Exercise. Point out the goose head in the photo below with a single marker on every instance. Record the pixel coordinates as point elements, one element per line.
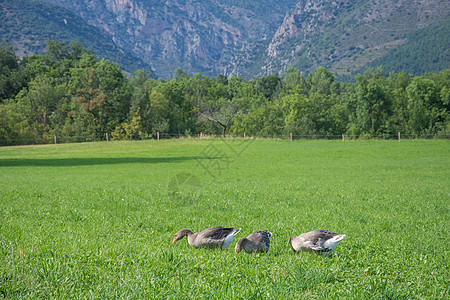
<point>181,234</point>
<point>290,242</point>
<point>240,245</point>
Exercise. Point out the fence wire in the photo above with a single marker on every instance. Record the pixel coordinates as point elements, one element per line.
<point>167,135</point>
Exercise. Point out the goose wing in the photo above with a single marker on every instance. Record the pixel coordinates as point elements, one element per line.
<point>317,235</point>
<point>215,233</point>
<point>315,239</point>
<point>321,240</point>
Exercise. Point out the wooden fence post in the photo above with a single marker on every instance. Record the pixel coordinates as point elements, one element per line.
<point>290,136</point>
<point>157,135</point>
<point>55,138</point>
<point>399,136</point>
<point>201,135</point>
<point>343,138</point>
<point>107,137</point>
<point>244,135</point>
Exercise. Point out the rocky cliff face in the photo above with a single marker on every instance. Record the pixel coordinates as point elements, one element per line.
<point>343,35</point>
<point>224,37</point>
<point>306,19</point>
<point>197,36</point>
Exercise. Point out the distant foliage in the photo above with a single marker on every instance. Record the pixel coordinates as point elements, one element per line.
<point>73,94</point>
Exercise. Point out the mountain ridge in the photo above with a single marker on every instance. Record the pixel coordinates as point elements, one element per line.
<point>343,36</point>
<point>255,38</point>
<point>36,22</point>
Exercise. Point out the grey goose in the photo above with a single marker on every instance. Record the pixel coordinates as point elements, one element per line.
<point>216,237</point>
<point>258,241</point>
<point>321,242</point>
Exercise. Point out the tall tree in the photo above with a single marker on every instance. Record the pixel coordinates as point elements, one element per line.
<point>139,96</point>
<point>373,106</point>
<point>297,119</point>
<point>11,79</point>
<point>294,79</point>
<point>45,96</point>
<point>268,86</point>
<point>424,106</point>
<point>322,81</point>
<point>222,112</point>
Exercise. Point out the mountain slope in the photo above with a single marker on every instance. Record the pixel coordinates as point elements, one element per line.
<point>345,35</point>
<point>427,50</point>
<point>29,24</point>
<point>248,38</point>
<point>197,36</point>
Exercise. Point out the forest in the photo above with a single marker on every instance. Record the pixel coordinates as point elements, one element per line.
<point>72,94</point>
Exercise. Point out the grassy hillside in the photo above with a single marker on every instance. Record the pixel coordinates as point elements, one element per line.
<point>96,220</point>
<point>426,51</point>
<point>28,25</point>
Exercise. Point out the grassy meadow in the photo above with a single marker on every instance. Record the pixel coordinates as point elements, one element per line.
<point>96,220</point>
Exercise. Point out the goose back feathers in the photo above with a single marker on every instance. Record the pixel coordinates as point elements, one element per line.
<point>256,242</point>
<point>216,237</point>
<point>321,242</point>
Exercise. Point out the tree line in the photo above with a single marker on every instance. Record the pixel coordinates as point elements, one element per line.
<point>71,93</point>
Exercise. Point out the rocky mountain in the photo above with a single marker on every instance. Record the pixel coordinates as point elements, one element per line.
<point>346,35</point>
<point>248,38</point>
<point>29,24</point>
<point>196,36</point>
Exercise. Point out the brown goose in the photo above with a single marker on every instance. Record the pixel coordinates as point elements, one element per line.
<point>216,237</point>
<point>256,242</point>
<point>321,242</point>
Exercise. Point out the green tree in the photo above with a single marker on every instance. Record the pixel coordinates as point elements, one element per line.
<point>266,120</point>
<point>129,131</point>
<point>140,93</point>
<point>373,103</point>
<point>229,102</point>
<point>11,78</point>
<point>45,96</point>
<point>15,127</point>
<point>221,112</point>
<point>158,113</point>
<point>424,105</point>
<point>268,86</point>
<point>181,109</point>
<point>398,82</point>
<point>292,77</point>
<point>102,92</point>
<point>179,74</point>
<point>322,81</point>
<point>297,120</point>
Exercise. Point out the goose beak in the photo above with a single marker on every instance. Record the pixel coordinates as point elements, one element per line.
<point>235,252</point>
<point>174,241</point>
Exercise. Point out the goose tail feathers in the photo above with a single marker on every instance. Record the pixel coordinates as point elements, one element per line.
<point>339,238</point>
<point>230,238</point>
<point>331,244</point>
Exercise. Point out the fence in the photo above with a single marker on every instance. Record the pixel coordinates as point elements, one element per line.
<point>50,140</point>
<point>58,139</point>
<point>398,136</point>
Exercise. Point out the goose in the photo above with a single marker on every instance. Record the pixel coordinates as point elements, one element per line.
<point>321,242</point>
<point>216,237</point>
<point>258,241</point>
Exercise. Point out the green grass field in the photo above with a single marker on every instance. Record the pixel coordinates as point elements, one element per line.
<point>96,220</point>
